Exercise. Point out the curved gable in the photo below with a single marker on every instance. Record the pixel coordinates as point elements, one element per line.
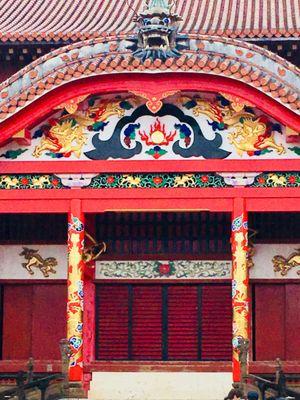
<point>271,80</point>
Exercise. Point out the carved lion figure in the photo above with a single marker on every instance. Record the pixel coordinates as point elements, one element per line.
<point>35,260</point>
<point>283,265</point>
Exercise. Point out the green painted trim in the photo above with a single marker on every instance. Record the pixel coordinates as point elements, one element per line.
<point>198,180</point>
<point>277,179</point>
<point>150,180</point>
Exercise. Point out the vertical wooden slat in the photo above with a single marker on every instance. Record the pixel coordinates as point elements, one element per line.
<point>165,323</point>
<point>112,322</point>
<point>183,322</point>
<point>147,322</point>
<point>216,322</point>
<point>130,316</point>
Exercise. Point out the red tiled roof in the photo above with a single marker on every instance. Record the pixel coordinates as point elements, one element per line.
<point>38,20</point>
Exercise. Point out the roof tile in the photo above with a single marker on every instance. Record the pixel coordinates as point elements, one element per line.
<point>49,24</point>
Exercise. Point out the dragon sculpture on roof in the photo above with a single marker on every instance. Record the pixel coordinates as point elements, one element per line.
<point>157,35</point>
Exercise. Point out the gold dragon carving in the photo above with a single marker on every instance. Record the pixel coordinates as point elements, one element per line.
<point>68,133</point>
<point>284,265</point>
<point>94,250</point>
<point>247,132</point>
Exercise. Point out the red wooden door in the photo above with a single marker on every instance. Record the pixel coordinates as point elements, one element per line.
<point>17,322</point>
<point>48,320</point>
<point>277,324</point>
<point>292,322</point>
<point>34,321</point>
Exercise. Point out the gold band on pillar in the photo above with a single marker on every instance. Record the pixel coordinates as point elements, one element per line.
<point>75,289</point>
<point>240,285</point>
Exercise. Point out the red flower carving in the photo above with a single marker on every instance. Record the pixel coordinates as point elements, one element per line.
<point>110,179</point>
<point>204,178</point>
<point>157,180</point>
<point>24,181</point>
<point>55,182</point>
<point>164,269</point>
<point>292,179</point>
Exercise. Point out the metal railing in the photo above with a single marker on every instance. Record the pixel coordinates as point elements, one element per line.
<point>277,384</point>
<point>27,381</point>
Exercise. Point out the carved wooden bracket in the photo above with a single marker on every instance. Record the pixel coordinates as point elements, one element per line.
<point>154,99</point>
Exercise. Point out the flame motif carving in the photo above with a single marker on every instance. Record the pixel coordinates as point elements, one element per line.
<point>157,135</point>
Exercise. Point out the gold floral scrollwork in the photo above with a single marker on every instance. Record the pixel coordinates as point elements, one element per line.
<point>284,265</point>
<point>35,260</point>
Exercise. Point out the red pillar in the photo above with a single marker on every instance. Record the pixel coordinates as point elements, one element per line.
<point>89,323</point>
<point>75,289</point>
<point>240,283</point>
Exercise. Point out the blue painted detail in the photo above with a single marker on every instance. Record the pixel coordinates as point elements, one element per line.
<point>200,147</point>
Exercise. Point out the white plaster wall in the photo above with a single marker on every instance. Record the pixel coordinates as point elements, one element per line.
<point>263,266</point>
<point>160,385</point>
<point>11,261</point>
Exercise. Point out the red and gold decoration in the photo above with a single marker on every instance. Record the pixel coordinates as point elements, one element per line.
<point>71,106</point>
<point>246,132</point>
<point>154,99</point>
<point>75,290</point>
<point>240,283</point>
<point>35,260</point>
<point>68,134</point>
<point>158,135</point>
<point>285,264</point>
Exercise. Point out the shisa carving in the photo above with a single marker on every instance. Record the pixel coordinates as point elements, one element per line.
<point>35,260</point>
<point>47,265</point>
<point>158,32</point>
<point>284,265</point>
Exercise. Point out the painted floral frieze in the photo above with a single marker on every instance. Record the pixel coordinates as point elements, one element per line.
<point>151,180</point>
<point>193,126</point>
<point>184,269</point>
